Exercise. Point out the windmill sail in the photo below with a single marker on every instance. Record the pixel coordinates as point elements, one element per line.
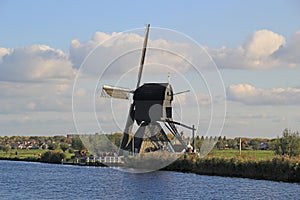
<point>115,92</point>
<point>143,57</point>
<point>130,117</point>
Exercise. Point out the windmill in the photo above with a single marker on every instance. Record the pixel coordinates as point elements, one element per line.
<point>151,107</point>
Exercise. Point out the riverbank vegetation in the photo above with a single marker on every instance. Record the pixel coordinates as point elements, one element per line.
<point>53,156</point>
<point>272,159</point>
<point>282,163</point>
<point>279,168</point>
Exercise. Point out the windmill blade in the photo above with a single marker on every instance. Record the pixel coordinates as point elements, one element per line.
<point>130,117</point>
<point>143,57</point>
<point>182,92</point>
<point>115,92</point>
<point>128,128</point>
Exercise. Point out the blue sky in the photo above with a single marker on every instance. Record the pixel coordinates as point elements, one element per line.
<point>261,98</point>
<point>213,23</point>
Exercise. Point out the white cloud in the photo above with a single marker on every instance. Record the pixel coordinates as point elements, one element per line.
<point>291,51</point>
<point>263,50</point>
<point>263,43</point>
<point>32,96</point>
<point>111,45</point>
<point>31,106</point>
<point>121,52</point>
<point>248,94</point>
<point>180,100</point>
<point>34,63</point>
<point>3,52</point>
<point>61,88</point>
<point>80,92</point>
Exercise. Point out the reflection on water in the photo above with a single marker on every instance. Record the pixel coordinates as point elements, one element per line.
<point>48,181</point>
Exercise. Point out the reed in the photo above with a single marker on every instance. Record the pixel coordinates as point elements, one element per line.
<point>279,168</point>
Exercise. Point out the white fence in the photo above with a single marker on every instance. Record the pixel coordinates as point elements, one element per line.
<point>106,159</point>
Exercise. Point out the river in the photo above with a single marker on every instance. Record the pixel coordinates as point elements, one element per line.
<point>25,180</point>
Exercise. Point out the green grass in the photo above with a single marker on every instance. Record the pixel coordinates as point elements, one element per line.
<point>251,154</point>
<point>27,153</point>
<point>22,153</point>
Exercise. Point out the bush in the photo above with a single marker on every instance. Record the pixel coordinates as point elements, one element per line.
<point>5,148</point>
<point>52,146</point>
<point>288,144</point>
<point>77,143</point>
<point>53,156</point>
<point>71,150</point>
<point>64,146</point>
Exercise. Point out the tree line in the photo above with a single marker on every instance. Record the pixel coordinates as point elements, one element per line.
<point>287,144</point>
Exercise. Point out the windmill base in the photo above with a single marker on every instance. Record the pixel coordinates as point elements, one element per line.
<point>151,137</point>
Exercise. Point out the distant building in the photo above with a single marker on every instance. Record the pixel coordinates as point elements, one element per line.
<point>264,146</point>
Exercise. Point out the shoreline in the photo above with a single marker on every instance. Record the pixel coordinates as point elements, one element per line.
<point>280,169</point>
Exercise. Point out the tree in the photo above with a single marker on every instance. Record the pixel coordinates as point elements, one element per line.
<point>288,144</point>
<point>221,143</point>
<point>64,146</point>
<point>77,143</point>
<point>272,144</point>
<point>7,148</point>
<point>59,138</point>
<point>255,144</point>
<point>198,142</point>
<point>232,143</point>
<point>54,156</point>
<point>117,137</point>
<point>52,146</point>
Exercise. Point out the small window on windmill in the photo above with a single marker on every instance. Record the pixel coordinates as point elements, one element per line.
<point>169,112</point>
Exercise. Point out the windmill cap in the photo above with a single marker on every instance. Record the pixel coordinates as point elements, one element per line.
<point>153,91</point>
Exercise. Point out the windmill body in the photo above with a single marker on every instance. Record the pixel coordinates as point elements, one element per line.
<point>153,102</point>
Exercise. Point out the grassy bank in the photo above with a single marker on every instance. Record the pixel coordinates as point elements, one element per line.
<point>276,168</point>
<point>26,155</point>
<point>22,154</point>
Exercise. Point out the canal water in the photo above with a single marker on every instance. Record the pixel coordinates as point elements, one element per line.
<point>25,180</point>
